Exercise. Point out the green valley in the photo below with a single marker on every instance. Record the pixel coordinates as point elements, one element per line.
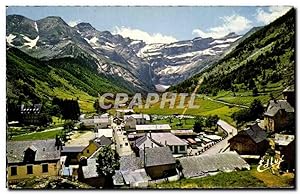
<point>33,81</point>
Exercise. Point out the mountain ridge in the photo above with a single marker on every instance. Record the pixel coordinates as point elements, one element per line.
<point>115,55</point>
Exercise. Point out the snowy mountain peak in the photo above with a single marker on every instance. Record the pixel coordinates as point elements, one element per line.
<point>143,65</point>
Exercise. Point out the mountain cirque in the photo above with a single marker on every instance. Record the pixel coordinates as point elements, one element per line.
<point>145,66</point>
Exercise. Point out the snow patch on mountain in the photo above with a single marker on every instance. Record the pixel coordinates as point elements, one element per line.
<point>221,46</point>
<point>178,69</point>
<point>92,41</point>
<point>149,48</point>
<point>193,54</point>
<point>10,38</point>
<point>30,42</point>
<point>174,62</point>
<point>108,46</point>
<point>135,42</point>
<point>178,45</point>
<point>170,70</point>
<point>36,27</point>
<point>222,41</point>
<point>161,87</point>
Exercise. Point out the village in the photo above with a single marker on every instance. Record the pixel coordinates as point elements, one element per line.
<point>152,151</point>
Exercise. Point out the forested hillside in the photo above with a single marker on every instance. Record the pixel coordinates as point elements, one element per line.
<point>262,63</point>
<point>30,80</point>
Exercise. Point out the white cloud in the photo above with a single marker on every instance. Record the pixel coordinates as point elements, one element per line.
<point>234,23</point>
<point>137,34</point>
<point>273,13</point>
<point>73,23</point>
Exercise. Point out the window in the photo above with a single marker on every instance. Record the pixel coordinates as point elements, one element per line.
<point>126,144</point>
<point>29,156</point>
<point>182,148</point>
<point>29,170</point>
<point>45,168</point>
<point>88,151</point>
<point>13,171</point>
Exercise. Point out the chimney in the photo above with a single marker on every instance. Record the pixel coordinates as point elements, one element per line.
<point>58,143</point>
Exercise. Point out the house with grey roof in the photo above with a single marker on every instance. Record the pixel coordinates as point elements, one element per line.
<point>135,119</point>
<point>204,165</point>
<point>131,173</point>
<point>101,121</point>
<point>26,159</point>
<point>72,153</point>
<point>87,173</point>
<point>250,141</point>
<point>103,141</point>
<point>151,140</point>
<point>158,162</point>
<point>278,115</point>
<point>146,141</point>
<point>75,153</point>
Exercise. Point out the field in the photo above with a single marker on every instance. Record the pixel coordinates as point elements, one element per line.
<point>239,179</point>
<point>49,134</point>
<point>245,97</point>
<point>206,107</point>
<point>18,131</point>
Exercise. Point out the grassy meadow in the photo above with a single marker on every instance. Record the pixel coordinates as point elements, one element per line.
<point>245,97</point>
<point>49,134</point>
<point>206,108</point>
<point>238,179</point>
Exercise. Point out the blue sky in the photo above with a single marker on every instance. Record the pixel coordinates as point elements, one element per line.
<point>161,24</point>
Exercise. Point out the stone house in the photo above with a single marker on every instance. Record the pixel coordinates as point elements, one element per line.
<point>152,140</point>
<point>250,141</point>
<point>136,119</point>
<point>278,115</point>
<point>27,159</point>
<point>158,162</point>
